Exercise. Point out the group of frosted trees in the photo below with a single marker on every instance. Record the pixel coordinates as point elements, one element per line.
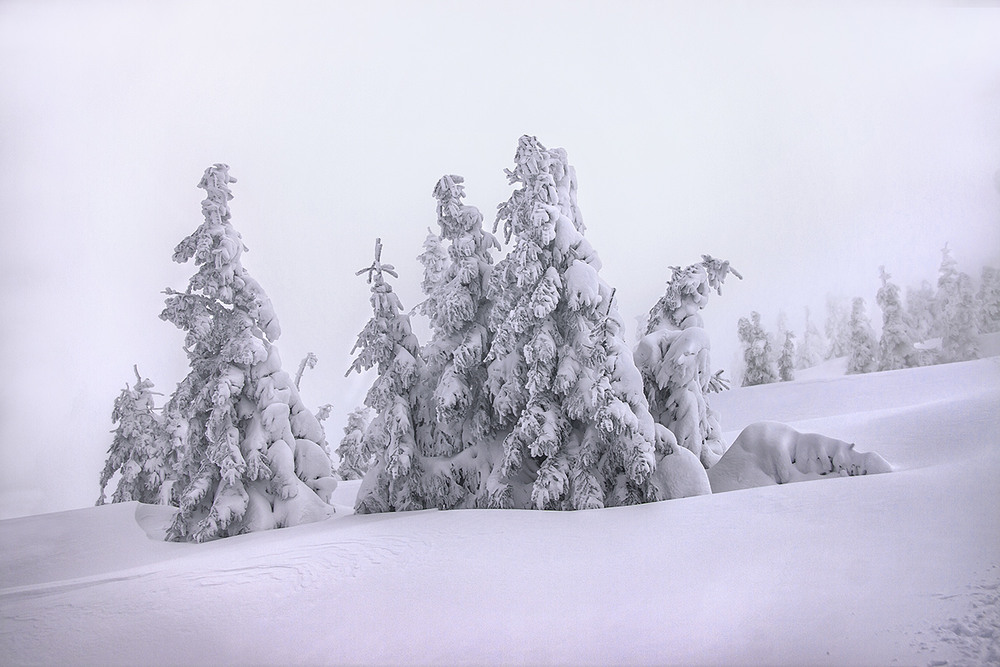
<point>525,396</point>
<point>934,326</point>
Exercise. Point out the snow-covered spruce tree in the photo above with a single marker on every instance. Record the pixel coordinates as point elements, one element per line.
<point>673,358</point>
<point>249,453</point>
<point>809,352</point>
<point>138,448</point>
<point>454,412</point>
<point>862,355</point>
<point>566,394</point>
<point>989,300</point>
<point>838,328</point>
<point>757,356</point>
<point>895,347</point>
<point>387,344</point>
<point>957,312</point>
<point>786,360</point>
<point>354,451</point>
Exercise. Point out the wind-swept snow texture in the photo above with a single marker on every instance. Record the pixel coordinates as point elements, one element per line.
<point>878,569</point>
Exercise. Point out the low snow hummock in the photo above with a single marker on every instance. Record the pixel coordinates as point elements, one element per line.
<point>898,568</point>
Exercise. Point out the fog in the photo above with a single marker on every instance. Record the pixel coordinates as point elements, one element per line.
<point>808,146</point>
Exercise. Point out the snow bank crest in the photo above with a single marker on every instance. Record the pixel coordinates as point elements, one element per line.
<point>768,453</point>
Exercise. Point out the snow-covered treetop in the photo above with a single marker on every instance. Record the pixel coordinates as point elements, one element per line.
<point>687,293</point>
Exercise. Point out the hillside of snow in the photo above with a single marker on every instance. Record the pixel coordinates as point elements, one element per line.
<point>896,568</point>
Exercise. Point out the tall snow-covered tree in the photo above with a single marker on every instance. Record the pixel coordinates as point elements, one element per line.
<point>566,395</point>
<point>673,358</point>
<point>249,453</point>
<point>758,364</point>
<point>809,352</point>
<point>862,355</point>
<point>957,312</point>
<point>387,344</point>
<point>786,359</point>
<point>354,450</point>
<point>838,328</point>
<point>896,344</point>
<point>137,451</point>
<point>989,300</point>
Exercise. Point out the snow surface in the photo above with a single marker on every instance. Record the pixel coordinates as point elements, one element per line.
<point>880,569</point>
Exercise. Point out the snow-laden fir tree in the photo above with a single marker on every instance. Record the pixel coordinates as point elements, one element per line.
<point>895,347</point>
<point>138,449</point>
<point>354,451</point>
<point>566,394</point>
<point>989,300</point>
<point>758,364</point>
<point>387,344</point>
<point>838,328</point>
<point>862,355</point>
<point>957,323</point>
<point>809,351</point>
<point>786,359</point>
<point>248,453</point>
<point>921,311</point>
<point>454,411</point>
<point>673,358</point>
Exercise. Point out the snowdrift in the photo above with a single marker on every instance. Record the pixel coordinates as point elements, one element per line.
<point>876,569</point>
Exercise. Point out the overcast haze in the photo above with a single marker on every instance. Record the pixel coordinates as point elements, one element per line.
<point>807,146</point>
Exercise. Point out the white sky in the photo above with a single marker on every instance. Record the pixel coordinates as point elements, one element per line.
<point>807,146</point>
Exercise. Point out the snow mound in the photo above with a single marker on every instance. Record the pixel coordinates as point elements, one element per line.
<point>768,453</point>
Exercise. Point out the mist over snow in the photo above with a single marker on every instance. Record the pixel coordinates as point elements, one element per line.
<point>808,146</point>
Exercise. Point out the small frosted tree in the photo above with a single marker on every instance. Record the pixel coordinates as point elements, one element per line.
<point>387,344</point>
<point>249,454</point>
<point>758,367</point>
<point>354,450</point>
<point>673,358</point>
<point>809,352</point>
<point>786,360</point>
<point>989,300</point>
<point>863,352</point>
<point>921,310</point>
<point>896,344</point>
<point>838,328</point>
<point>137,451</point>
<point>567,397</point>
<point>957,312</point>
<point>434,259</point>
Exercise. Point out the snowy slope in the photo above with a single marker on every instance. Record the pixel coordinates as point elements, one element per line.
<point>901,567</point>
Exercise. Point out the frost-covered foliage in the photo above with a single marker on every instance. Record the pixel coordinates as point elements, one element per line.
<point>896,344</point>
<point>862,355</point>
<point>786,359</point>
<point>561,380</point>
<point>921,310</point>
<point>247,454</point>
<point>355,451</point>
<point>139,446</point>
<point>989,300</point>
<point>957,312</point>
<point>434,259</point>
<point>674,361</point>
<point>768,453</point>
<point>838,328</point>
<point>387,344</point>
<point>809,351</point>
<point>308,361</point>
<point>758,367</point>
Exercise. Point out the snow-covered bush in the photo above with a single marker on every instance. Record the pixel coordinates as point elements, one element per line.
<point>896,344</point>
<point>810,351</point>
<point>247,453</point>
<point>355,453</point>
<point>138,448</point>
<point>674,361</point>
<point>758,367</point>
<point>387,344</point>
<point>862,354</point>
<point>957,323</point>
